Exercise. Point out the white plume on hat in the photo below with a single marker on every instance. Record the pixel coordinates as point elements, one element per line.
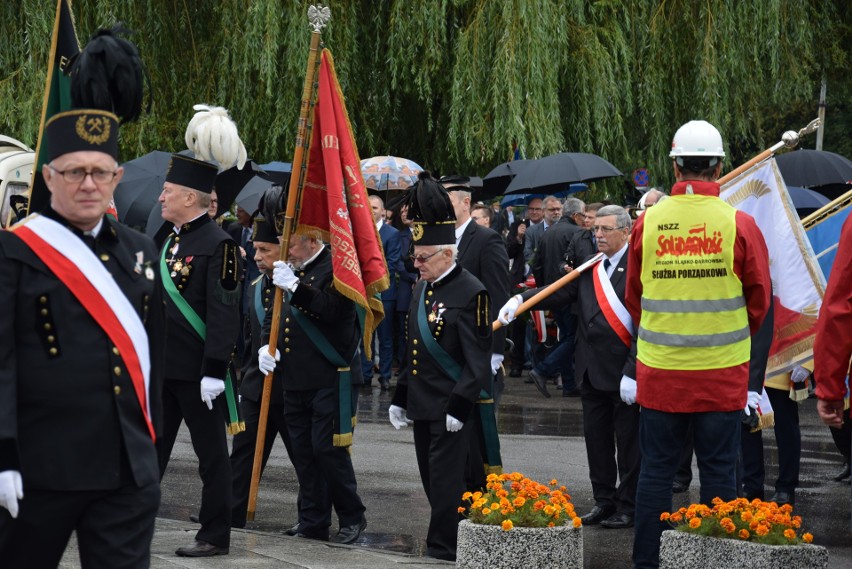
<point>212,135</point>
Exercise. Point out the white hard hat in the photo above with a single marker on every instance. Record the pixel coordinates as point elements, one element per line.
<point>697,138</point>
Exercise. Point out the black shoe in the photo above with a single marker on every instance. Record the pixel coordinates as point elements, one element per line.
<point>571,393</point>
<point>515,372</point>
<point>782,498</point>
<point>194,518</point>
<point>618,521</point>
<point>348,534</point>
<point>312,536</point>
<point>201,549</point>
<point>843,474</point>
<point>597,515</point>
<point>758,495</point>
<point>540,383</point>
<point>385,384</point>
<point>679,487</point>
<point>293,530</point>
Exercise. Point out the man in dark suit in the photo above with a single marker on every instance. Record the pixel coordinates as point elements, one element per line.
<point>449,333</point>
<point>241,233</point>
<point>408,275</point>
<point>81,361</point>
<point>201,272</point>
<point>384,332</point>
<point>261,293</point>
<point>548,268</point>
<point>318,335</point>
<point>606,362</point>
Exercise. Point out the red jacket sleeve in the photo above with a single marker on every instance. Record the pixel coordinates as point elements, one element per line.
<point>751,263</point>
<point>833,345</point>
<point>633,286</point>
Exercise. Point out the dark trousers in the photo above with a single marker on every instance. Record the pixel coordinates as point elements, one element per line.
<point>324,471</point>
<point>517,333</point>
<point>114,528</point>
<point>750,469</point>
<point>182,402</point>
<point>383,345</point>
<point>684,469</point>
<point>242,453</point>
<point>661,440</point>
<point>441,460</point>
<point>561,358</point>
<point>611,429</point>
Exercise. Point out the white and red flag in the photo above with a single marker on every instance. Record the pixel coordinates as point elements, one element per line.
<point>797,281</point>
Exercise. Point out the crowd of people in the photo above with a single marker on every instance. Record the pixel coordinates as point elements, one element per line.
<point>113,339</point>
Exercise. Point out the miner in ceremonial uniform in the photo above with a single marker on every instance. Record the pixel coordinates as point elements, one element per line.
<point>81,363</point>
<point>318,337</point>
<point>200,268</point>
<point>449,361</point>
<point>260,294</point>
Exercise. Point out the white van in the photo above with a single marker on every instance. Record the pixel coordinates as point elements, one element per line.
<point>16,169</point>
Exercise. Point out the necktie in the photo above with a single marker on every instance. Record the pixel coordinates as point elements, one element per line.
<point>607,265</point>
<point>246,235</point>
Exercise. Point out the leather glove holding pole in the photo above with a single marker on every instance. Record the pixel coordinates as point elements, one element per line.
<point>507,314</point>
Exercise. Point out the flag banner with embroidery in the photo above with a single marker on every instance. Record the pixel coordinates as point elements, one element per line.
<point>797,281</point>
<point>334,202</point>
<point>57,93</point>
<point>824,232</point>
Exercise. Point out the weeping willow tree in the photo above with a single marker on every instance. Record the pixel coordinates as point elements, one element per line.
<point>453,84</point>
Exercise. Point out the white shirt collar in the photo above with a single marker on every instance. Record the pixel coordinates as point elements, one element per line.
<point>379,225</point>
<point>460,229</point>
<point>314,256</point>
<point>95,231</point>
<point>616,258</point>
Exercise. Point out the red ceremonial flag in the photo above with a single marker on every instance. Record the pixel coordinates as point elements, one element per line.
<point>334,202</point>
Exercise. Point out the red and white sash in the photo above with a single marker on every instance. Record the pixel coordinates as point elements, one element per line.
<point>73,263</point>
<point>613,309</point>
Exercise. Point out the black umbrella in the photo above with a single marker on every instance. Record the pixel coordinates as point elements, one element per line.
<point>814,168</point>
<point>278,172</point>
<point>249,196</point>
<point>554,173</point>
<point>230,182</point>
<point>140,187</point>
<point>804,198</point>
<point>495,182</point>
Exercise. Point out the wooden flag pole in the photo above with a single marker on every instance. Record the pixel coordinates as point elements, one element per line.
<point>550,289</point>
<point>790,139</point>
<point>318,18</point>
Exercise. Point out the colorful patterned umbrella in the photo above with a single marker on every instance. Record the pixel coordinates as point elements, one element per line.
<point>382,173</point>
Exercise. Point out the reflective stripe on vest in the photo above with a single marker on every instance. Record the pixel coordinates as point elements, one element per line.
<point>693,311</point>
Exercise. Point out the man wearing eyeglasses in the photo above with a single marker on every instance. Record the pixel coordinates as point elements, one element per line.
<point>604,362</point>
<point>80,387</point>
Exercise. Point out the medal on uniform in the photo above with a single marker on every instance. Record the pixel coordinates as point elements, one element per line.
<point>184,271</point>
<point>140,257</point>
<point>149,273</point>
<point>432,317</point>
<point>178,265</point>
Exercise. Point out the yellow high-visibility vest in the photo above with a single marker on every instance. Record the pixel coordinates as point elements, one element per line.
<point>693,310</point>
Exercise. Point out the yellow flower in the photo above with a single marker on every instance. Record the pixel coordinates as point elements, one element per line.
<point>486,511</point>
<point>507,525</point>
<point>807,538</point>
<point>695,523</point>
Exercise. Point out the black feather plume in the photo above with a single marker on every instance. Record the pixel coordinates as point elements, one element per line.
<point>108,74</point>
<point>428,201</point>
<point>273,205</point>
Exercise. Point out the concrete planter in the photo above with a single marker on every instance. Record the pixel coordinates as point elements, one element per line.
<point>519,548</point>
<point>680,550</point>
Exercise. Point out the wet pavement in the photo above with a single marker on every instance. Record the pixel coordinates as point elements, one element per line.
<point>540,437</point>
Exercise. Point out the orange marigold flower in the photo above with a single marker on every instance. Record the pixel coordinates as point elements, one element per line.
<point>507,525</point>
<point>519,502</point>
<point>553,482</point>
<point>695,523</point>
<point>664,517</point>
<point>790,534</point>
<point>676,517</point>
<point>577,522</point>
<point>744,534</point>
<point>495,506</point>
<point>486,511</point>
<point>467,496</point>
<point>746,516</point>
<point>461,509</point>
<point>762,529</point>
<point>807,538</point>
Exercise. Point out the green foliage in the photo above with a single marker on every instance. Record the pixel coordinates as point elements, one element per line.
<point>452,84</point>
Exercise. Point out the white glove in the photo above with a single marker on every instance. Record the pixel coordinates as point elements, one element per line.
<point>799,374</point>
<point>496,362</point>
<point>11,490</point>
<point>283,276</point>
<point>398,417</point>
<point>507,313</point>
<point>628,390</point>
<point>265,361</point>
<point>752,402</point>
<point>211,388</point>
<point>453,424</point>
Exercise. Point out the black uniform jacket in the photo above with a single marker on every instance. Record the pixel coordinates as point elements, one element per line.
<point>251,387</point>
<point>303,367</point>
<point>462,328</point>
<point>515,250</point>
<point>206,269</point>
<point>482,253</point>
<point>552,247</point>
<point>67,404</point>
<point>599,351</point>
